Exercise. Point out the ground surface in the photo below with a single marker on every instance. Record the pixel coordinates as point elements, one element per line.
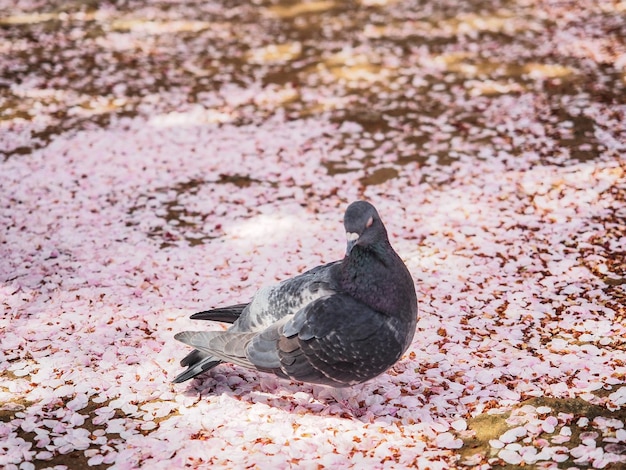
<point>165,157</point>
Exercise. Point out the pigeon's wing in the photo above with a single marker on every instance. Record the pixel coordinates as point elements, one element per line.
<point>335,340</point>
<point>273,303</point>
<point>268,306</point>
<point>228,314</point>
<point>220,345</point>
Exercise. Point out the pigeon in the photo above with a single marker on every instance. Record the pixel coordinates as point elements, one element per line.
<point>339,324</point>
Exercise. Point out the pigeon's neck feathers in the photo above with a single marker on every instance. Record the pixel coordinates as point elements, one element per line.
<point>375,275</point>
<point>363,255</point>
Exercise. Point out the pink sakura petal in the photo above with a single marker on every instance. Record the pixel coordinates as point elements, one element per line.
<point>447,440</point>
<point>615,448</point>
<point>513,434</point>
<point>560,457</point>
<point>496,443</point>
<point>95,460</point>
<point>589,438</point>
<point>549,424</point>
<point>459,425</point>
<point>510,456</point>
<point>78,402</point>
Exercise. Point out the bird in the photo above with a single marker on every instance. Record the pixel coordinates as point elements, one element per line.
<point>338,324</point>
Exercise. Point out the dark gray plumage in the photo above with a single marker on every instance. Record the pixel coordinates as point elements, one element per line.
<point>339,324</point>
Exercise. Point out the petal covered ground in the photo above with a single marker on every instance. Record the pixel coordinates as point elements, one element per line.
<point>165,157</point>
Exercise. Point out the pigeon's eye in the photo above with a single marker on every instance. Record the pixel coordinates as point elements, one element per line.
<point>369,223</point>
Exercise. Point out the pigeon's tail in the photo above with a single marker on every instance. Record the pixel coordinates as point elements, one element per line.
<point>223,314</point>
<point>196,362</point>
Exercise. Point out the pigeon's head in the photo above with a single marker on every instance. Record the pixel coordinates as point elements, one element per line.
<point>363,225</point>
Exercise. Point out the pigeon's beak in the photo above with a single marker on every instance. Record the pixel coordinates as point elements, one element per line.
<point>352,238</point>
